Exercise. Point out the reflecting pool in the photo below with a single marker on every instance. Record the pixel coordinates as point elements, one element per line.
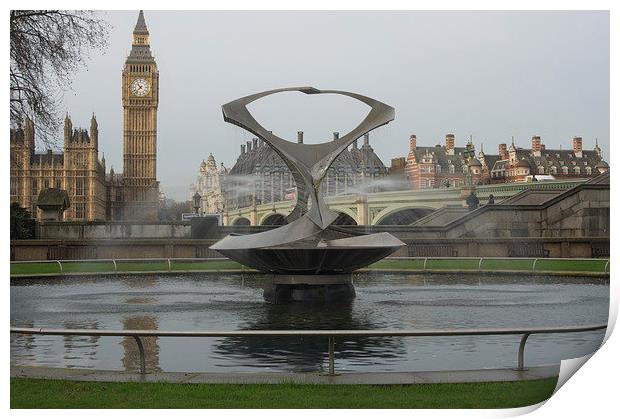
<point>235,301</point>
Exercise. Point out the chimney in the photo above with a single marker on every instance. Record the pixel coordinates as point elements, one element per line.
<point>536,146</point>
<point>254,143</point>
<point>412,143</point>
<point>367,140</point>
<point>355,144</point>
<point>503,151</point>
<point>242,149</point>
<point>450,144</point>
<point>300,137</point>
<point>249,146</point>
<point>577,147</point>
<point>336,135</point>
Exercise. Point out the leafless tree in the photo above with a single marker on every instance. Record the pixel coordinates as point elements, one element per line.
<point>47,46</point>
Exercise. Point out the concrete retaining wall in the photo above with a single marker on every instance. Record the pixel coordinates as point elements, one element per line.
<point>581,247</point>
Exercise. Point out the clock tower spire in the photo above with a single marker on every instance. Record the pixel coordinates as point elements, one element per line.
<point>140,92</point>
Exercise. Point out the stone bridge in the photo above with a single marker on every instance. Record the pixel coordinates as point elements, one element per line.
<point>389,208</point>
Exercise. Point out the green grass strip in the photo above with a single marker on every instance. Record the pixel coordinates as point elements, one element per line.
<point>456,264</point>
<point>51,394</point>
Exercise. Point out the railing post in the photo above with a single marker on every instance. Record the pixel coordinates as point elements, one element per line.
<point>424,267</point>
<point>59,264</point>
<point>142,356</point>
<point>534,265</point>
<point>606,266</point>
<point>480,264</point>
<point>114,262</point>
<point>169,265</point>
<point>521,366</point>
<point>330,344</point>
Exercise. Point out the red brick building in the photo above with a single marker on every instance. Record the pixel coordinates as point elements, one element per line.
<point>449,166</point>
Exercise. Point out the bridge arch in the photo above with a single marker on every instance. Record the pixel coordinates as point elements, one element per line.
<point>342,209</point>
<point>240,221</point>
<point>401,215</point>
<point>273,219</point>
<point>344,219</point>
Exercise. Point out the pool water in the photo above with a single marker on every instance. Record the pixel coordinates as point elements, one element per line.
<point>234,301</point>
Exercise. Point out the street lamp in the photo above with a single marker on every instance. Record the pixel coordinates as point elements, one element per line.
<point>196,199</point>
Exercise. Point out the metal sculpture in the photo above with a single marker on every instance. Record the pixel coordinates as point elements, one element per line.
<point>309,245</point>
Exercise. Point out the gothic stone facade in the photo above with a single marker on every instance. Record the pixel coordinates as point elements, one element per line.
<point>93,194</point>
<point>77,170</point>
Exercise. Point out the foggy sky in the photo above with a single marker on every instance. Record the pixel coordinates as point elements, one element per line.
<point>491,75</point>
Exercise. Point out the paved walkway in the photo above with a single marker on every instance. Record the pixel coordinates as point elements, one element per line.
<point>472,376</point>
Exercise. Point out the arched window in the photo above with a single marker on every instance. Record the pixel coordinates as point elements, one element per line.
<point>588,170</point>
<point>464,169</point>
<point>553,170</point>
<point>541,170</point>
<point>564,170</point>
<point>451,168</point>
<point>577,170</point>
<point>438,169</point>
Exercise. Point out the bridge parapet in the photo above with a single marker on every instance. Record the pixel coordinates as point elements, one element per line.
<point>374,207</point>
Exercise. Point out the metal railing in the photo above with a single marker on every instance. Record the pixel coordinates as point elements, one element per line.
<point>115,262</point>
<point>170,262</point>
<point>491,259</point>
<point>331,336</point>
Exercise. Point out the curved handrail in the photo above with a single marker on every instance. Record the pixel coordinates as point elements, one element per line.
<point>330,334</point>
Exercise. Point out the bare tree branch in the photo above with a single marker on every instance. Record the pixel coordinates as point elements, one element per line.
<point>47,47</point>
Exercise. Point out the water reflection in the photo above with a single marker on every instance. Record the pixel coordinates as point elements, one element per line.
<point>80,351</point>
<point>306,353</point>
<point>131,353</point>
<point>232,302</point>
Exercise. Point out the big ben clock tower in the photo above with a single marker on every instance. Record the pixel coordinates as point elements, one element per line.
<point>140,99</point>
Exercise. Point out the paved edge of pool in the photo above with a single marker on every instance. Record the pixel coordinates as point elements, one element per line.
<point>373,378</point>
<point>252,271</point>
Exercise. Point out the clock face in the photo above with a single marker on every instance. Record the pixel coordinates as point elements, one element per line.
<point>140,87</point>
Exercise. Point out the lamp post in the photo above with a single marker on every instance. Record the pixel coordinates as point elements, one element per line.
<point>196,199</point>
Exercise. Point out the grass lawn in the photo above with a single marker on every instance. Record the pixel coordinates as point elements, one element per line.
<point>35,393</point>
<point>121,266</point>
<point>567,265</point>
<point>507,264</point>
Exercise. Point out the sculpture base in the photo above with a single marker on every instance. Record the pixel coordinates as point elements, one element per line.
<point>309,288</point>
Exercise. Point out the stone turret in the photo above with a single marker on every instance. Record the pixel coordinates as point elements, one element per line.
<point>94,132</point>
<point>300,137</point>
<point>68,131</point>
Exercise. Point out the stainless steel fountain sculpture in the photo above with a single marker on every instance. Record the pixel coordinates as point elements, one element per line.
<point>310,258</point>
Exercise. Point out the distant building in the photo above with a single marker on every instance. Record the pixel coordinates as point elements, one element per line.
<point>260,176</point>
<point>208,184</point>
<point>516,164</point>
<point>444,166</point>
<point>77,170</point>
<point>132,194</point>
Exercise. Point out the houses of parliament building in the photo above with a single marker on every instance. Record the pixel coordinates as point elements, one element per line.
<point>95,194</point>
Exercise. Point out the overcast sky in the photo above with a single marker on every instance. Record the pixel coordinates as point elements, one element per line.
<point>491,75</point>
